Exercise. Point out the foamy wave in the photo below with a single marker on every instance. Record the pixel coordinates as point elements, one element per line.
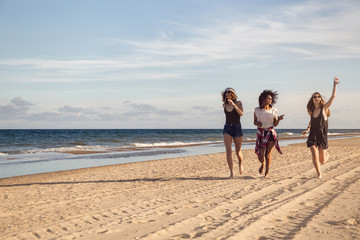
<point>70,149</point>
<point>287,133</point>
<point>171,144</point>
<point>3,154</point>
<point>249,139</point>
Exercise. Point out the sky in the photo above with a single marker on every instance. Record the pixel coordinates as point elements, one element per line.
<point>163,64</point>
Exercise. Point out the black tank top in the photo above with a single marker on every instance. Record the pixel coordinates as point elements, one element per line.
<point>319,128</point>
<point>319,123</point>
<point>232,117</point>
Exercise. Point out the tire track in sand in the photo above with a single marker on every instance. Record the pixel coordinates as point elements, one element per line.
<point>240,216</point>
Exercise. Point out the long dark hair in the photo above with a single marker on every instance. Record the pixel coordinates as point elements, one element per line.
<point>264,94</point>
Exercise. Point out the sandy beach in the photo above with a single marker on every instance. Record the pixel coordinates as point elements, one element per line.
<point>191,198</point>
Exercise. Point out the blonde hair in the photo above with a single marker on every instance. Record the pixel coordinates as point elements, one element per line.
<point>233,94</point>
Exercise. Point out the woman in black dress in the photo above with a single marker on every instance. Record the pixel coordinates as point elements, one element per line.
<point>318,127</point>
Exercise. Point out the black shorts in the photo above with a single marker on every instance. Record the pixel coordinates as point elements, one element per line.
<point>233,130</point>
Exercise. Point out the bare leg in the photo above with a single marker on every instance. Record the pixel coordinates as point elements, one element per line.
<point>315,158</point>
<point>323,155</point>
<point>327,157</point>
<point>269,149</point>
<point>238,142</point>
<point>261,158</point>
<point>228,142</point>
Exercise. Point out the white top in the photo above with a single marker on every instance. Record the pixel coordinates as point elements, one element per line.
<point>266,117</point>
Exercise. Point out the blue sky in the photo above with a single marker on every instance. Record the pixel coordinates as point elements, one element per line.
<point>163,64</point>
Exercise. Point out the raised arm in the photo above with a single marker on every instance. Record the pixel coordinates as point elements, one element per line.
<point>328,103</point>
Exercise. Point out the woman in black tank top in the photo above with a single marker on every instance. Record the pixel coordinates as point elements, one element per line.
<point>318,127</point>
<point>232,130</point>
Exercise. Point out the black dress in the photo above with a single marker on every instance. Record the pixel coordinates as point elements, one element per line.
<point>318,131</point>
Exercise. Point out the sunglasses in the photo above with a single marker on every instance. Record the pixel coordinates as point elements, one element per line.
<point>316,96</point>
<point>228,92</point>
<point>269,98</point>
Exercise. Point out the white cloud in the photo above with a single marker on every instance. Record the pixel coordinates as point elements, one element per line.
<point>306,26</point>
<point>16,108</point>
<point>69,109</point>
<point>144,110</point>
<point>311,30</point>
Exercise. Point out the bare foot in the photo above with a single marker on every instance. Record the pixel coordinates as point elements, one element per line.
<point>261,168</point>
<point>241,168</point>
<point>320,176</point>
<point>231,176</point>
<point>266,174</point>
<point>326,157</point>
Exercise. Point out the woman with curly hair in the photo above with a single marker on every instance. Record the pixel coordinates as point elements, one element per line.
<point>265,118</point>
<point>232,130</point>
<point>318,126</point>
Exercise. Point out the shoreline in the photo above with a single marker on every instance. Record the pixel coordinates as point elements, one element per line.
<point>189,150</point>
<point>189,197</point>
<point>199,144</point>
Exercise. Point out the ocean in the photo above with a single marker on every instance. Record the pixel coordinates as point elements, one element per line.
<point>27,151</point>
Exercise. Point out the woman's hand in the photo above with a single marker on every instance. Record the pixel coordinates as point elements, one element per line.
<point>277,120</point>
<point>336,80</point>
<point>259,124</point>
<point>304,132</point>
<point>230,101</point>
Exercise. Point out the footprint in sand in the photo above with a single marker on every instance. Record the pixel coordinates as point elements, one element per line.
<point>263,238</point>
<point>142,221</point>
<point>308,204</point>
<point>117,222</point>
<point>199,234</point>
<point>232,215</point>
<point>101,231</point>
<point>168,213</point>
<point>209,218</point>
<point>182,236</point>
<point>350,221</point>
<point>293,210</point>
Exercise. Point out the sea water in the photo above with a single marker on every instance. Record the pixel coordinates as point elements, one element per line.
<point>30,151</point>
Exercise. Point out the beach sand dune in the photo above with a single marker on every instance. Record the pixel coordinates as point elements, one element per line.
<point>191,198</point>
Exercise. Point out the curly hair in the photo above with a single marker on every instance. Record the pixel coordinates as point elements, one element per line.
<point>233,94</point>
<point>310,105</point>
<point>265,93</point>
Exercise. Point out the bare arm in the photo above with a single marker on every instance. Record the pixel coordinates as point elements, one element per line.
<point>328,104</point>
<point>277,120</point>
<point>238,107</point>
<point>256,123</point>
<point>307,130</point>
